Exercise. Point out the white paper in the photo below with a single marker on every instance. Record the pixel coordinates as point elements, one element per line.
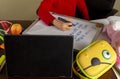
<point>84,32</point>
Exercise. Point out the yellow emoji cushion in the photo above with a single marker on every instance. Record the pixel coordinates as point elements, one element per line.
<point>96,59</point>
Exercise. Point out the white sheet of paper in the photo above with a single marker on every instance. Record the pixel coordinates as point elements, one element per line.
<point>84,31</point>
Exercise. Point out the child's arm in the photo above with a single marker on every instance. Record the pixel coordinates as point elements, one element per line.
<point>43,11</point>
<point>44,14</point>
<point>83,9</point>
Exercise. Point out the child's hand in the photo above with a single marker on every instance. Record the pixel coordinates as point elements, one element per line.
<point>64,26</point>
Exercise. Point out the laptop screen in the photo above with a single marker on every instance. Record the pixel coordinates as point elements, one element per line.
<point>39,55</point>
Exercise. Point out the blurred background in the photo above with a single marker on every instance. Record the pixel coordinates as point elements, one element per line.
<point>117,6</point>
<point>26,9</point>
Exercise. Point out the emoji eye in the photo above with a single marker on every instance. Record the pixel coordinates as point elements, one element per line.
<point>106,54</point>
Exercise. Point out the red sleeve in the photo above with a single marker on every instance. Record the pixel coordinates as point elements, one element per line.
<point>43,11</point>
<point>83,9</point>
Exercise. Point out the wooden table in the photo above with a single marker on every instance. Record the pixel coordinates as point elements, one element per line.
<point>108,75</point>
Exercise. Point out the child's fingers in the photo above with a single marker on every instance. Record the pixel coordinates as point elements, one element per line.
<point>65,28</point>
<point>68,28</point>
<point>68,19</point>
<point>69,24</point>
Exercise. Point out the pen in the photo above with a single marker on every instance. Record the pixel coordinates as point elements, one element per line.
<point>61,19</point>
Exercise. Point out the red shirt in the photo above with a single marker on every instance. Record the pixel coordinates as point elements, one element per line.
<point>66,7</point>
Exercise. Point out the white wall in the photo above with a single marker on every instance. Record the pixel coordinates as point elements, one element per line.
<point>117,6</point>
<point>18,9</point>
<point>25,9</point>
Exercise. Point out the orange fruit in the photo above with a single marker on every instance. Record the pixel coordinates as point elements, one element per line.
<point>2,46</point>
<point>16,29</point>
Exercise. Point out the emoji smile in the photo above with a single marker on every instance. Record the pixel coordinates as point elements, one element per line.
<point>95,61</point>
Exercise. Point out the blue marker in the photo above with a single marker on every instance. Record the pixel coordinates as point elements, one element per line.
<point>73,24</point>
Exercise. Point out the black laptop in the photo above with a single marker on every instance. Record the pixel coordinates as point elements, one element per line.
<point>39,56</point>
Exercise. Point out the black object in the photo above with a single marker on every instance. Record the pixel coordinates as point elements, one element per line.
<point>61,19</point>
<point>39,56</point>
<point>101,8</point>
<point>98,9</point>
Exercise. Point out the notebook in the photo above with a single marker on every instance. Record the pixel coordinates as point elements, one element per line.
<point>39,56</point>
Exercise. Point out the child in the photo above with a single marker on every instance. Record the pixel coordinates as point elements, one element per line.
<point>65,7</point>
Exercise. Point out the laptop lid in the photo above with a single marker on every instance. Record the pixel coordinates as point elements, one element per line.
<point>39,55</point>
